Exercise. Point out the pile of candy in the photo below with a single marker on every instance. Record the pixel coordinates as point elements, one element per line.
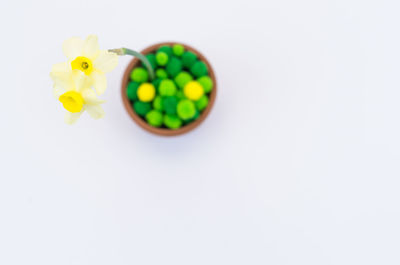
<point>178,94</point>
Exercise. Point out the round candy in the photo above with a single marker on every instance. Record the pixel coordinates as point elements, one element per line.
<point>178,49</point>
<point>169,104</point>
<point>141,108</point>
<point>188,59</point>
<point>182,79</point>
<point>195,117</point>
<point>161,73</point>
<point>179,94</point>
<point>161,58</point>
<point>186,109</point>
<point>167,88</point>
<point>202,103</point>
<point>154,118</point>
<point>140,75</point>
<point>174,66</point>
<point>146,92</point>
<point>156,83</point>
<point>166,49</point>
<point>172,121</point>
<point>152,59</point>
<point>199,69</point>
<point>131,90</point>
<point>157,103</point>
<point>193,90</point>
<point>206,82</point>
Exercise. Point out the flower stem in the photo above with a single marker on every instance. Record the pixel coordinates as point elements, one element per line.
<point>124,51</point>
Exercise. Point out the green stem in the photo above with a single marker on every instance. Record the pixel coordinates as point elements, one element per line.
<point>124,51</point>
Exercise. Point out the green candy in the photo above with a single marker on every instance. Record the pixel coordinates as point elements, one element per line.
<point>169,104</point>
<point>156,83</point>
<point>131,90</point>
<point>188,59</point>
<point>157,103</point>
<point>199,69</point>
<point>154,118</point>
<point>162,58</point>
<point>174,66</point>
<point>167,88</point>
<point>152,59</point>
<point>172,121</point>
<point>202,103</point>
<point>178,49</point>
<point>207,83</point>
<point>195,117</point>
<point>166,49</point>
<point>186,109</point>
<point>180,95</point>
<point>141,108</point>
<point>182,79</point>
<point>139,75</point>
<point>161,73</point>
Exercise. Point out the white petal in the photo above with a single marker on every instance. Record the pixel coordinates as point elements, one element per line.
<point>61,67</point>
<point>81,81</point>
<point>62,76</point>
<point>90,97</point>
<point>95,111</point>
<point>99,81</point>
<point>62,80</point>
<point>72,47</point>
<point>71,118</point>
<point>91,47</point>
<point>106,61</point>
<point>58,91</point>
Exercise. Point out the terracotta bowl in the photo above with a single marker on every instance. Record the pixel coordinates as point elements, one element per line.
<point>165,131</point>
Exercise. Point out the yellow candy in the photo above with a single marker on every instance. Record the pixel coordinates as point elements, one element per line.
<point>146,92</point>
<point>193,90</point>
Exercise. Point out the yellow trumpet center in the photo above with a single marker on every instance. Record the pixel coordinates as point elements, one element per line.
<point>72,101</point>
<point>82,63</point>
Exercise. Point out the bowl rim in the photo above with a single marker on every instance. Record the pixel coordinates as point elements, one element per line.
<point>163,131</point>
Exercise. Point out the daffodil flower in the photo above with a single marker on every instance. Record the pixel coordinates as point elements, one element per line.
<point>76,97</point>
<point>86,57</point>
<point>86,68</point>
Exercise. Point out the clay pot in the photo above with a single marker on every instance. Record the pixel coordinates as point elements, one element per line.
<point>165,131</point>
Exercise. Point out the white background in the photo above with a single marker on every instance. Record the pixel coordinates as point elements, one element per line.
<point>298,162</point>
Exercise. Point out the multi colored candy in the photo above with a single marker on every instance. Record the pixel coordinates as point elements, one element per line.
<point>178,94</point>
